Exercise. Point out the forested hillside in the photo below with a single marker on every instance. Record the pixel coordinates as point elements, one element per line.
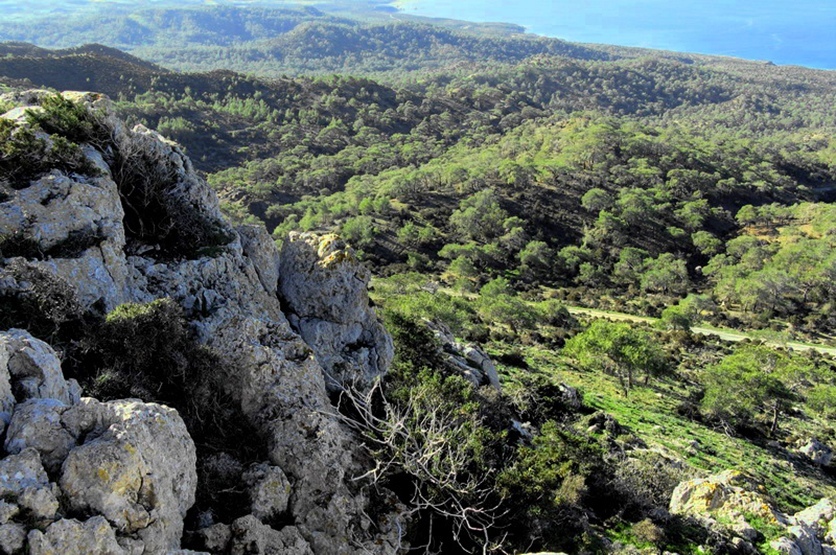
<point>496,184</point>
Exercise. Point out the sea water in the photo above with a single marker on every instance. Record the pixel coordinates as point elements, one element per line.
<point>800,32</point>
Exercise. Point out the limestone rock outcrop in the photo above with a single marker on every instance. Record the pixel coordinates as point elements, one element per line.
<point>729,493</point>
<point>132,464</point>
<point>734,498</point>
<point>324,288</point>
<point>816,451</point>
<point>285,329</point>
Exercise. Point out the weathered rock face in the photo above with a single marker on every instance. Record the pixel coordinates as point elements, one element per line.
<point>325,290</point>
<point>734,498</point>
<point>138,470</point>
<point>729,493</point>
<point>132,463</point>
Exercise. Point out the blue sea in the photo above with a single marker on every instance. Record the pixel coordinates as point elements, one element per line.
<point>798,32</point>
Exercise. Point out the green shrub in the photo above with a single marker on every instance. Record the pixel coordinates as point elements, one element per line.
<point>24,156</point>
<point>44,304</point>
<point>60,116</point>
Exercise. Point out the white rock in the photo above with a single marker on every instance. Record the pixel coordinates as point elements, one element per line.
<point>816,516</point>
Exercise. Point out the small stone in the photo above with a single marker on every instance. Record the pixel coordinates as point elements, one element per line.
<point>8,511</point>
<point>12,537</point>
<point>785,546</point>
<point>269,491</point>
<point>40,502</point>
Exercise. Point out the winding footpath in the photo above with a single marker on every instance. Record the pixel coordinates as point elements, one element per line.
<point>723,334</point>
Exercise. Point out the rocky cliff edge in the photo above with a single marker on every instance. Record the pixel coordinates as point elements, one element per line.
<point>123,218</point>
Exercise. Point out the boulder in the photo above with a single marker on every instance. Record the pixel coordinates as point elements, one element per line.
<point>816,516</point>
<point>817,451</point>
<point>806,540</point>
<point>729,494</point>
<point>32,370</point>
<point>136,467</point>
<point>785,546</point>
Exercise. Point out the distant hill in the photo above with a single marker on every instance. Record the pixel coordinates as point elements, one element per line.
<point>276,41</point>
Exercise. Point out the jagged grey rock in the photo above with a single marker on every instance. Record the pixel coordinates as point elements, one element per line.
<point>41,503</point>
<point>138,471</point>
<point>214,538</point>
<point>467,359</point>
<point>785,546</point>
<point>249,536</point>
<point>269,491</point>
<point>728,494</point>
<point>8,511</point>
<point>20,472</point>
<point>816,516</point>
<point>33,369</point>
<point>325,289</point>
<point>37,423</point>
<point>71,537</point>
<point>260,248</point>
<point>806,540</point>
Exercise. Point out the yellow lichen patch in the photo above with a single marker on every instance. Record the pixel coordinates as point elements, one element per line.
<point>337,258</point>
<point>327,244</point>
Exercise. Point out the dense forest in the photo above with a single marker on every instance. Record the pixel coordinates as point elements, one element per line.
<point>506,187</point>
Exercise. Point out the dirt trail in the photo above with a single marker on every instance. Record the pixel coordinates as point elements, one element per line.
<point>724,334</point>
